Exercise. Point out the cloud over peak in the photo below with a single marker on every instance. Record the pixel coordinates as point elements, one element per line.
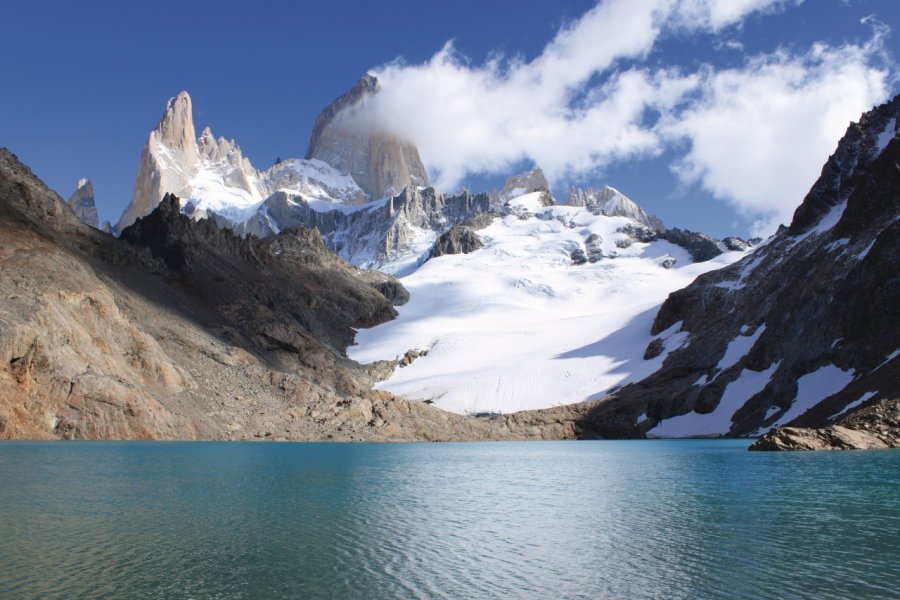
<point>754,135</point>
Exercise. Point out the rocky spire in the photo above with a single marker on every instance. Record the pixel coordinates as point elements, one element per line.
<point>379,162</point>
<point>175,134</point>
<point>172,157</point>
<point>82,203</point>
<point>176,128</point>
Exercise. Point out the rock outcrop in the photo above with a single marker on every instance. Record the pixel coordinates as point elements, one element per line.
<point>82,203</point>
<point>517,185</point>
<point>381,163</point>
<point>459,239</point>
<point>875,426</point>
<point>799,330</point>
<point>701,247</point>
<point>612,203</point>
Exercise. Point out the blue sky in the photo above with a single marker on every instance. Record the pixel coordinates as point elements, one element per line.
<point>723,99</point>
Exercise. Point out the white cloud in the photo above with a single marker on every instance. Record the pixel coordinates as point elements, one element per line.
<point>760,134</point>
<point>753,136</point>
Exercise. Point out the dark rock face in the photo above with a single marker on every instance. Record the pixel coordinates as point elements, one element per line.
<point>826,290</point>
<point>701,247</point>
<point>736,244</point>
<point>291,273</point>
<point>578,256</point>
<point>459,239</point>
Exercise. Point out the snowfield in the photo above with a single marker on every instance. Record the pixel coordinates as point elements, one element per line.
<point>516,325</point>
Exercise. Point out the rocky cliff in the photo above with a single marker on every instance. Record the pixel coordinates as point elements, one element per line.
<point>181,330</point>
<point>380,163</point>
<point>800,331</point>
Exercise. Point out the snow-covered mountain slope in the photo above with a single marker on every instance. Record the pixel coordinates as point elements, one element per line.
<point>801,331</point>
<point>518,324</point>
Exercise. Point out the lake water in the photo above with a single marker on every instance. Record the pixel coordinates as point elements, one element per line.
<point>617,519</point>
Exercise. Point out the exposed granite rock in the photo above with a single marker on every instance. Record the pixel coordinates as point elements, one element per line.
<point>820,295</point>
<point>172,156</point>
<point>459,239</point>
<point>82,203</point>
<point>380,163</point>
<point>701,247</point>
<point>578,256</point>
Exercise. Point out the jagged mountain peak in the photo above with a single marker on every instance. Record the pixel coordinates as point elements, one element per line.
<point>799,332</point>
<point>861,144</point>
<point>82,203</point>
<point>524,183</point>
<point>207,170</point>
<point>176,127</point>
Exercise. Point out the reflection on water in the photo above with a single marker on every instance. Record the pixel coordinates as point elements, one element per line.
<point>648,519</point>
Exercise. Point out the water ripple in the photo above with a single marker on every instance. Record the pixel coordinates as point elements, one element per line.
<point>658,519</point>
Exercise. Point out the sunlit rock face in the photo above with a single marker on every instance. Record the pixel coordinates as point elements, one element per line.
<point>379,162</point>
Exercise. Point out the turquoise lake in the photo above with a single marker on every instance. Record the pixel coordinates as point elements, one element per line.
<point>614,519</point>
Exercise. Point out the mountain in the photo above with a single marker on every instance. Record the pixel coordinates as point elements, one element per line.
<point>516,185</point>
<point>394,235</point>
<point>803,330</point>
<point>532,306</point>
<point>214,176</point>
<point>182,330</point>
<point>82,203</point>
<point>379,162</point>
<point>612,203</point>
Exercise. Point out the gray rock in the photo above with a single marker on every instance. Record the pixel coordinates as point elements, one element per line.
<point>593,249</point>
<point>654,348</point>
<point>612,203</point>
<point>701,247</point>
<point>82,203</point>
<point>517,185</point>
<point>381,163</point>
<point>459,239</point>
<point>736,244</point>
<point>667,263</point>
